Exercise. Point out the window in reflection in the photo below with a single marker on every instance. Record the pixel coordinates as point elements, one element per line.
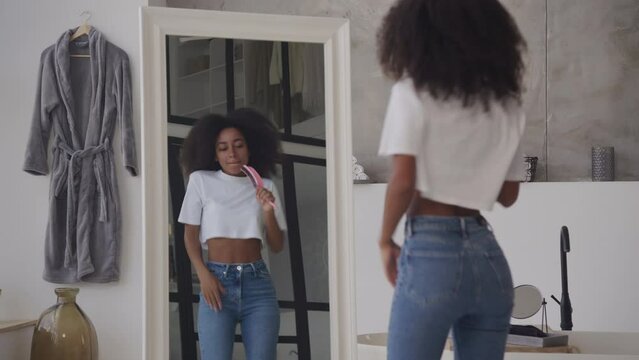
<point>284,81</point>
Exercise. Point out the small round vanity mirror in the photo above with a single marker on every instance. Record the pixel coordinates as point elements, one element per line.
<point>527,301</point>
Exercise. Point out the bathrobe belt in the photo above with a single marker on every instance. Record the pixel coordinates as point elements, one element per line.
<point>69,168</point>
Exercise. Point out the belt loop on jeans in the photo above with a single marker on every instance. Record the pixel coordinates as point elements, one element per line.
<point>462,223</point>
<point>483,222</point>
<point>408,228</point>
<point>254,269</point>
<point>226,269</point>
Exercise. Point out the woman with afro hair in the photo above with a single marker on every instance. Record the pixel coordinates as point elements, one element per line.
<point>453,127</point>
<point>232,220</point>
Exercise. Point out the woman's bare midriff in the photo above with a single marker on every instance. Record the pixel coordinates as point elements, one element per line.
<point>423,206</point>
<point>234,251</point>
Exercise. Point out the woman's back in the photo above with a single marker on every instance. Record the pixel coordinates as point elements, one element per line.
<point>453,126</point>
<point>463,154</point>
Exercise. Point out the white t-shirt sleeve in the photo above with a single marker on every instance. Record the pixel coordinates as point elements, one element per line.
<point>191,212</point>
<point>517,169</point>
<point>402,132</point>
<point>279,210</point>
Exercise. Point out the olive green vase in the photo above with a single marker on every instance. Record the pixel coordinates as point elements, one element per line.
<point>64,332</point>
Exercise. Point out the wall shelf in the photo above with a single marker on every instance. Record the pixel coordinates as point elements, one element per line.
<point>195,74</point>
<point>12,325</point>
<point>198,76</point>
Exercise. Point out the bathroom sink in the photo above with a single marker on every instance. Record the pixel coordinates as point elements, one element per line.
<point>591,345</point>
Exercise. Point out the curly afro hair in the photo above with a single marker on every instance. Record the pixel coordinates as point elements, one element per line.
<point>466,49</point>
<point>262,139</point>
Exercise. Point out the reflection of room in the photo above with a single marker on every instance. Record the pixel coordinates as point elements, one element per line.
<point>218,75</point>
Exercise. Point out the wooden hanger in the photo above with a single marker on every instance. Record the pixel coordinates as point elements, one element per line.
<point>82,30</point>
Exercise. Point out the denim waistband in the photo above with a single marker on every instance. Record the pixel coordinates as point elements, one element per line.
<point>461,224</point>
<point>251,266</point>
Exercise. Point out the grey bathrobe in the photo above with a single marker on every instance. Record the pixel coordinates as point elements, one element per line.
<point>80,101</point>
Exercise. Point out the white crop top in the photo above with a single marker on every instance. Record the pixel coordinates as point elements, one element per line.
<point>226,206</point>
<point>462,154</point>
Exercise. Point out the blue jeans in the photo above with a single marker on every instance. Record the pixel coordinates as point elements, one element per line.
<point>452,274</point>
<point>249,300</point>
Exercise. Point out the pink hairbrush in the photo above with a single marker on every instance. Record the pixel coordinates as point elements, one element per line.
<point>256,179</point>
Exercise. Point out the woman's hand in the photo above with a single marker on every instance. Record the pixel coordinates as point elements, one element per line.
<point>390,253</point>
<point>212,290</point>
<point>265,198</point>
<point>399,194</point>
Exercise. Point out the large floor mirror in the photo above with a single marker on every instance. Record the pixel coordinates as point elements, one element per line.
<point>293,70</point>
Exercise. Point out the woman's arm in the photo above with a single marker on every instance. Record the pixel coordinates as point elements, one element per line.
<point>274,235</point>
<point>399,194</point>
<point>193,248</point>
<point>210,285</point>
<point>509,193</point>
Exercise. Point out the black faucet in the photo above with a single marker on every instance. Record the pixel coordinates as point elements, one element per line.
<point>564,306</point>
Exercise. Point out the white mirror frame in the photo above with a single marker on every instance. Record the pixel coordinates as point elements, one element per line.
<point>156,24</point>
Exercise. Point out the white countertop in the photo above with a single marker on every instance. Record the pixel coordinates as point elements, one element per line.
<point>591,345</point>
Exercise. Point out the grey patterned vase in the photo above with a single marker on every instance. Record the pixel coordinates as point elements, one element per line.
<point>603,163</point>
<point>531,168</point>
<point>64,332</point>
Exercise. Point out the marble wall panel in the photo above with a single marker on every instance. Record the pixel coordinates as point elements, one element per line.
<point>582,79</point>
<point>593,86</point>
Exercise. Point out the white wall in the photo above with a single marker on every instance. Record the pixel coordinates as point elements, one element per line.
<point>26,28</point>
<point>602,264</point>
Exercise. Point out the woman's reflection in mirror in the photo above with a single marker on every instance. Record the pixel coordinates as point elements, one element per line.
<point>453,127</point>
<point>230,219</point>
